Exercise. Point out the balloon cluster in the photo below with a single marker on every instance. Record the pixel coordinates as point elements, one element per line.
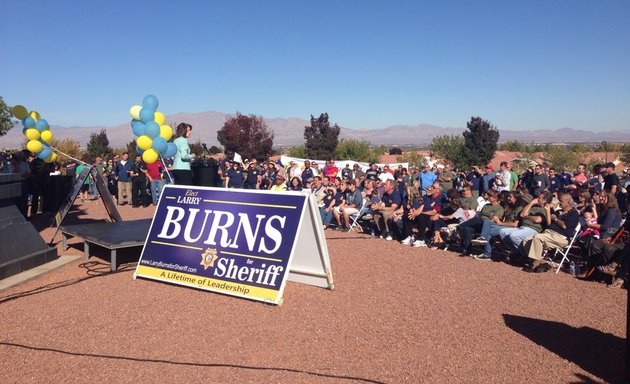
<point>152,133</point>
<point>37,132</point>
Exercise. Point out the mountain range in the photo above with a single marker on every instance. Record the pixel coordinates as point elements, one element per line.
<point>290,132</point>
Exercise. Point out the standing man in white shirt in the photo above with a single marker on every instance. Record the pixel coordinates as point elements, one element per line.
<point>502,178</point>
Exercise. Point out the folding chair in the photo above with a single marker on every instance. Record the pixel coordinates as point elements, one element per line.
<point>355,218</point>
<point>565,250</point>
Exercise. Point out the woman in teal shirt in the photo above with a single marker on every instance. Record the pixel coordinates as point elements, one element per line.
<point>182,174</point>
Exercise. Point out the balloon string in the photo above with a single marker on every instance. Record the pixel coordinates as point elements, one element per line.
<point>68,156</point>
<point>170,179</point>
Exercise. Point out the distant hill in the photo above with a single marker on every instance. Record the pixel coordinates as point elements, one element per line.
<point>290,131</point>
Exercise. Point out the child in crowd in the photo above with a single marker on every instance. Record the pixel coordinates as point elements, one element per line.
<point>590,218</point>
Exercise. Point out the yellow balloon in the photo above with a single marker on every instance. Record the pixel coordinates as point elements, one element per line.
<point>49,159</point>
<point>34,146</point>
<point>144,142</point>
<point>150,156</point>
<point>46,136</point>
<point>54,157</point>
<point>32,134</point>
<point>135,111</point>
<point>159,118</point>
<point>19,111</point>
<point>35,115</point>
<point>166,132</point>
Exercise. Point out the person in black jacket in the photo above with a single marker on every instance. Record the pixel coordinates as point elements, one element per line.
<point>139,181</point>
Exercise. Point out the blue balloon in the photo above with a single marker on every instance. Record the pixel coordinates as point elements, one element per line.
<point>28,122</point>
<point>41,125</point>
<point>138,128</point>
<point>150,102</point>
<point>140,151</point>
<point>147,114</point>
<point>160,145</point>
<point>44,153</point>
<point>171,150</point>
<point>152,129</point>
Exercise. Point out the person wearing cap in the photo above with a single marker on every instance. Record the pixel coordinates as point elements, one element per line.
<point>372,173</point>
<point>357,173</point>
<point>279,183</point>
<point>346,173</point>
<point>487,179</point>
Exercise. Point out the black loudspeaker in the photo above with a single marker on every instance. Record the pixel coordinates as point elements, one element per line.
<point>21,246</point>
<point>56,191</point>
<point>205,173</point>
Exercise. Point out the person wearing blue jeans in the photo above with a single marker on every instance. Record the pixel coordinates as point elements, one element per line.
<point>533,217</point>
<point>490,229</point>
<point>474,225</point>
<point>154,171</point>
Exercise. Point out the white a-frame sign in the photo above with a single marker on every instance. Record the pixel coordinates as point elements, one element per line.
<point>237,242</point>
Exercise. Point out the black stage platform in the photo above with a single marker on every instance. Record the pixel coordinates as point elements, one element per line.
<point>22,248</point>
<point>113,236</point>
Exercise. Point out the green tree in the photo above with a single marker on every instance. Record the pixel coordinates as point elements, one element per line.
<point>197,148</point>
<point>536,147</point>
<point>298,151</point>
<point>249,136</point>
<point>450,148</point>
<point>624,154</point>
<point>6,118</point>
<point>512,146</point>
<point>214,150</point>
<point>480,141</point>
<point>321,138</point>
<point>606,146</point>
<point>414,158</point>
<point>350,149</point>
<point>131,149</point>
<point>580,148</point>
<point>395,151</point>
<point>559,157</point>
<point>99,145</point>
<point>69,147</point>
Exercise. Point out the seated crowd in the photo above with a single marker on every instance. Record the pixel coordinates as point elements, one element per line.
<point>483,214</point>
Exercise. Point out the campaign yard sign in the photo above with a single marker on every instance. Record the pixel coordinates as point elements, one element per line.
<point>237,242</point>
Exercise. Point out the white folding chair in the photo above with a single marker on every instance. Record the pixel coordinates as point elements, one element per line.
<point>357,216</point>
<point>565,250</point>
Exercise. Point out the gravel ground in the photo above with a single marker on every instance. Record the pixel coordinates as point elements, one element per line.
<point>397,315</point>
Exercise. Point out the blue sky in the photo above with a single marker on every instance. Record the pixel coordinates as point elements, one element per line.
<point>369,64</point>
